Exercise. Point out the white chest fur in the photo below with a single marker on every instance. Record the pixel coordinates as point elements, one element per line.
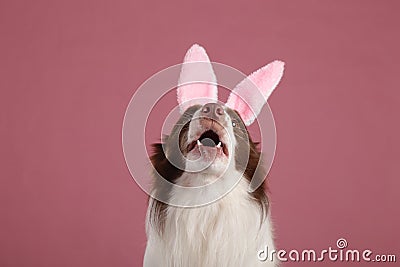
<point>227,232</point>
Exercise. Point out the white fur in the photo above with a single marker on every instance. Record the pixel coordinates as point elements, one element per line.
<point>228,232</point>
<point>218,165</point>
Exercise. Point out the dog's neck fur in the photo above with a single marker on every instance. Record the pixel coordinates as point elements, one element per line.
<point>227,232</point>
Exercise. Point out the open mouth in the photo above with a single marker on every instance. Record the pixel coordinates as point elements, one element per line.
<point>209,139</point>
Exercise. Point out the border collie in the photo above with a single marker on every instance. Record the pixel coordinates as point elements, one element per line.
<point>210,150</point>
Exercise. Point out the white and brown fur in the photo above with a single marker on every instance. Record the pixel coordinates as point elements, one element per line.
<point>227,232</point>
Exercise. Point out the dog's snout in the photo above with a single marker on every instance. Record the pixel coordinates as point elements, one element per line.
<point>213,110</point>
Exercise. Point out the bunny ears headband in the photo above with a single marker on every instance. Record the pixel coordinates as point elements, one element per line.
<point>243,98</point>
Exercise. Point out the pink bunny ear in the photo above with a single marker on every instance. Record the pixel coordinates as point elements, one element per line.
<point>197,82</point>
<point>250,95</point>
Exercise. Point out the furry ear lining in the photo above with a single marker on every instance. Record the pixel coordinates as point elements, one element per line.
<point>197,81</point>
<point>250,95</point>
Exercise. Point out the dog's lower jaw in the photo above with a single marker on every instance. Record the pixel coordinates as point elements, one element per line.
<point>228,232</point>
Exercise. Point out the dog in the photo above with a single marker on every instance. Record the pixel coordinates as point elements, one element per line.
<point>220,222</point>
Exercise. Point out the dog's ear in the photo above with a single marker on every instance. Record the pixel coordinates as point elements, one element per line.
<point>197,82</point>
<point>250,95</point>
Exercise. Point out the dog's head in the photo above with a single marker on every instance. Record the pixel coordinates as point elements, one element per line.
<point>211,137</point>
<point>210,140</point>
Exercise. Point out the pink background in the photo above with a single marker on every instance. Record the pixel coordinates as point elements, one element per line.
<point>69,68</point>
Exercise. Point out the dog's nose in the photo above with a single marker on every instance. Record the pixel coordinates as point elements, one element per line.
<point>213,110</point>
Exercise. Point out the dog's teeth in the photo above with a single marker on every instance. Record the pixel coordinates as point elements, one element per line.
<point>199,143</point>
<point>219,144</point>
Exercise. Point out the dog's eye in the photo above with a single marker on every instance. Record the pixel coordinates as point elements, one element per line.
<point>234,123</point>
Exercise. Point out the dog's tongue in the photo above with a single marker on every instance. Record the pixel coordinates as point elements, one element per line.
<point>208,149</point>
<point>208,142</point>
<point>209,153</point>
